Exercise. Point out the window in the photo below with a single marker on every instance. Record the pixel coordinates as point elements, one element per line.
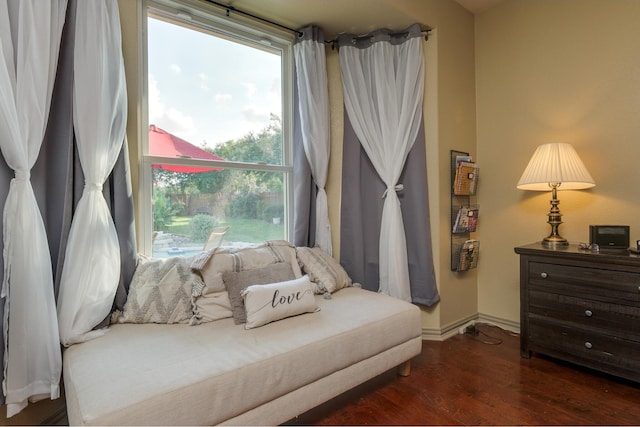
<point>218,149</point>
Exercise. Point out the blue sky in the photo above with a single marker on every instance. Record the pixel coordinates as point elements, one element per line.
<point>206,89</point>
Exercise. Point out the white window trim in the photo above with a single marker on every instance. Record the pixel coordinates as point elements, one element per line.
<point>213,19</point>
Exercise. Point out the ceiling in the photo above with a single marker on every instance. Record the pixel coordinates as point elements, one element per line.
<point>477,6</point>
<point>351,16</point>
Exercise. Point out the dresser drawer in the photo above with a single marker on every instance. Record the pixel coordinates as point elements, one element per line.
<point>598,284</point>
<point>608,318</point>
<point>607,353</point>
<point>581,307</point>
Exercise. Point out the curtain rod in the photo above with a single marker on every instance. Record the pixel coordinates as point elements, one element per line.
<point>230,9</point>
<point>425,32</point>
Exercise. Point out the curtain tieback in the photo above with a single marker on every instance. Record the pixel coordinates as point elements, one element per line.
<point>23,175</point>
<point>396,188</point>
<point>92,187</point>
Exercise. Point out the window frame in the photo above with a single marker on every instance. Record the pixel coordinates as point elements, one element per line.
<point>214,20</point>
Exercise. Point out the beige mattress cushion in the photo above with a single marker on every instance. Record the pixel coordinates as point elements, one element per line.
<point>192,375</point>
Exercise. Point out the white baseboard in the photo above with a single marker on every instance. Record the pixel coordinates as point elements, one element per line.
<point>434,334</point>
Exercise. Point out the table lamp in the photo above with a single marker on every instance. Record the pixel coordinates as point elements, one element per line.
<point>555,166</point>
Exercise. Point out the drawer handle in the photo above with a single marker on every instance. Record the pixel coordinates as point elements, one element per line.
<point>588,345</point>
<point>544,275</point>
<point>588,313</point>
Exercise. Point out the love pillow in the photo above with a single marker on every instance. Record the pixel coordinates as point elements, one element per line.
<point>276,301</point>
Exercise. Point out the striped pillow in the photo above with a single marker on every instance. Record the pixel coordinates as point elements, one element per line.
<point>327,274</point>
<point>212,264</point>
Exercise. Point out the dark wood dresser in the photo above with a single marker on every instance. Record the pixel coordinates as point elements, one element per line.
<point>582,307</point>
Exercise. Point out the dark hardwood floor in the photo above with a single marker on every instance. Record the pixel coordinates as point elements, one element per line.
<point>466,381</point>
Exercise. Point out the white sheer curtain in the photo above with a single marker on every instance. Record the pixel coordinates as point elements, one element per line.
<point>313,103</point>
<point>30,32</point>
<point>92,262</point>
<point>383,81</point>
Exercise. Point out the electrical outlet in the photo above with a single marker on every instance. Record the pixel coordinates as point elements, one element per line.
<point>463,329</point>
<point>471,329</point>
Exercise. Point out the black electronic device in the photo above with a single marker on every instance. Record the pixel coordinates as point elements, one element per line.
<point>609,236</point>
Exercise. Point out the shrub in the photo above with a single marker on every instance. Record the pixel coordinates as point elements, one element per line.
<point>163,210</point>
<point>200,226</point>
<point>273,211</point>
<point>245,205</point>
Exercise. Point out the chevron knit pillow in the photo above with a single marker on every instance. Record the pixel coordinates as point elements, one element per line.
<point>160,292</point>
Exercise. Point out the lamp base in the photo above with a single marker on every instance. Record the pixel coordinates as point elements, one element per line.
<point>555,242</point>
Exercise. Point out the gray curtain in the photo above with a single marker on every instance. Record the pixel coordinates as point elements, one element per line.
<point>58,180</point>
<point>361,213</point>
<point>304,189</point>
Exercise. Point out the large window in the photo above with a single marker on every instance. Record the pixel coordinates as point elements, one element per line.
<point>217,155</point>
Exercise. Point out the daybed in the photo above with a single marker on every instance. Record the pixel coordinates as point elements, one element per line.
<point>218,372</point>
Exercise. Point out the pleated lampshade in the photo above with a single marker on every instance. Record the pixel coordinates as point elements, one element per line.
<point>555,162</point>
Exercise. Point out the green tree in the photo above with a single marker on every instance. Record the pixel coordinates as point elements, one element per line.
<point>265,147</point>
<point>178,184</point>
<point>209,182</point>
<point>241,188</point>
<point>163,210</point>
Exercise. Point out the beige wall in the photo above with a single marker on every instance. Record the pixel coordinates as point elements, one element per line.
<point>455,130</point>
<point>560,70</point>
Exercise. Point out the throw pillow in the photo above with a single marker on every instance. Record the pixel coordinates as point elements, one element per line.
<point>237,281</point>
<point>276,301</point>
<point>209,305</point>
<point>323,270</point>
<point>160,292</point>
<point>210,263</point>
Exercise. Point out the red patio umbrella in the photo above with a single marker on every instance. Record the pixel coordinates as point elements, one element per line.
<point>165,144</point>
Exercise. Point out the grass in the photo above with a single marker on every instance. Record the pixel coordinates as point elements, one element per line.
<point>180,225</point>
<point>240,229</point>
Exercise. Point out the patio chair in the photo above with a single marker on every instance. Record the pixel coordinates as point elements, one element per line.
<point>215,238</point>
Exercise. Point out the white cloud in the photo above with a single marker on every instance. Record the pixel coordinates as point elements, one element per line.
<point>274,97</point>
<point>222,97</point>
<point>169,119</point>
<point>251,89</point>
<point>179,123</point>
<point>203,81</point>
<point>175,68</point>
<point>276,85</point>
<point>156,107</point>
<point>256,117</point>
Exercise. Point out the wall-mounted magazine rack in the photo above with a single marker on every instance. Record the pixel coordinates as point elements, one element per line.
<point>464,213</point>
